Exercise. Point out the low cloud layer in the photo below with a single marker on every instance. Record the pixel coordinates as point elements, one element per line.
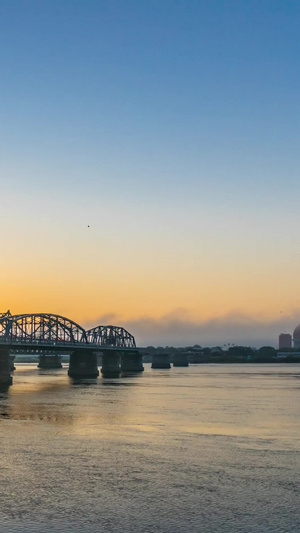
<point>176,329</point>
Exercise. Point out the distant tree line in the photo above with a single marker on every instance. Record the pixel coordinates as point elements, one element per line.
<point>227,354</point>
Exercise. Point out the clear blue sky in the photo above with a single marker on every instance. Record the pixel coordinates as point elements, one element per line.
<point>172,129</point>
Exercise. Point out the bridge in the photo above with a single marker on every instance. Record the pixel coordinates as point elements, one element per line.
<point>49,335</point>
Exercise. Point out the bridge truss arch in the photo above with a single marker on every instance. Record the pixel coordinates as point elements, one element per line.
<point>40,328</point>
<point>110,336</point>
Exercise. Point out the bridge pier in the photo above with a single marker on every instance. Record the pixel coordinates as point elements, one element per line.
<point>50,361</point>
<point>160,360</point>
<point>12,364</point>
<point>5,368</point>
<point>111,367</point>
<point>181,359</point>
<point>131,362</point>
<point>83,364</point>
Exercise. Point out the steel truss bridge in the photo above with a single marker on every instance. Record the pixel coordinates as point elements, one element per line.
<point>43,331</point>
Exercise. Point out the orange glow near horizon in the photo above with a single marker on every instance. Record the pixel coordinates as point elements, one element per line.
<point>200,295</point>
<point>133,271</point>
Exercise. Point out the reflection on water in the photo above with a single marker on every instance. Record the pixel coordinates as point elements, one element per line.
<point>205,448</point>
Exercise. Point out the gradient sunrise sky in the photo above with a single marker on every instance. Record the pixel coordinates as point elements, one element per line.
<point>150,165</point>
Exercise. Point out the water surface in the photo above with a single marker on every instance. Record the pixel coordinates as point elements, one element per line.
<point>209,448</point>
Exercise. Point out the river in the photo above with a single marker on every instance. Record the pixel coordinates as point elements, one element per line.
<point>208,448</point>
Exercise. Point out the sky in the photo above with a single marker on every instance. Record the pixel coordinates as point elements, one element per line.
<point>149,166</point>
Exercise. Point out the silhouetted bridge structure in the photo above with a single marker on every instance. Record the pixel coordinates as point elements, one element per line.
<point>49,335</point>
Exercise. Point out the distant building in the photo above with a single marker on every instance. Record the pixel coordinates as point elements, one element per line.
<point>296,337</point>
<point>284,355</point>
<point>285,340</point>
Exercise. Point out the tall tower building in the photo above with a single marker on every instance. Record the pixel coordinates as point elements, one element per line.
<point>285,340</point>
